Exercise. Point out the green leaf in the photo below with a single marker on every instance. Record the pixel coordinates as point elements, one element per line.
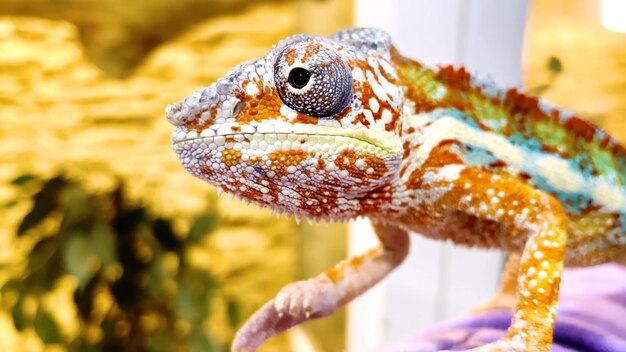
<point>191,302</point>
<point>10,287</point>
<point>199,341</point>
<point>104,244</point>
<point>80,259</point>
<point>85,298</point>
<point>233,313</point>
<point>194,296</point>
<point>45,201</point>
<point>157,276</point>
<point>44,264</point>
<point>538,90</point>
<point>19,320</point>
<point>163,232</point>
<point>201,226</point>
<point>46,327</point>
<point>159,342</point>
<point>24,179</point>
<point>82,210</point>
<point>554,65</point>
<point>41,253</point>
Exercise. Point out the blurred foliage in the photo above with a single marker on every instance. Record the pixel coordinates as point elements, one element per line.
<point>554,67</point>
<point>117,252</point>
<point>591,65</point>
<point>83,87</point>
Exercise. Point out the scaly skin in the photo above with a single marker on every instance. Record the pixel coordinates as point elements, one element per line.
<point>340,127</point>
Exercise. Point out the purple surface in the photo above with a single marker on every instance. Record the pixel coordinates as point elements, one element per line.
<point>591,318</point>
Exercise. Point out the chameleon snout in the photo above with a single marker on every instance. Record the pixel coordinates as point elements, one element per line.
<point>207,106</point>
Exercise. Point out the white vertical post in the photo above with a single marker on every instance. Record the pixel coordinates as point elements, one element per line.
<point>366,315</point>
<point>437,281</point>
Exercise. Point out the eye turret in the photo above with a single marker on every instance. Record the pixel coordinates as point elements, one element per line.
<point>313,79</point>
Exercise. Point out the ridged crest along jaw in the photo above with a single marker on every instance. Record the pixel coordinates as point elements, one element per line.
<point>309,171</point>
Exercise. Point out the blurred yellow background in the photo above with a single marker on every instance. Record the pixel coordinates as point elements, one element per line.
<point>83,87</point>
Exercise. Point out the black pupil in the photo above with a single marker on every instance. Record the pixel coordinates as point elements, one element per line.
<point>299,77</point>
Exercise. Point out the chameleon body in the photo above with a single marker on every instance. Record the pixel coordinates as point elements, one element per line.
<point>339,127</point>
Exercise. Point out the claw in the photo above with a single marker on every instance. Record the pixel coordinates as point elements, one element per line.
<point>279,305</point>
<point>294,309</point>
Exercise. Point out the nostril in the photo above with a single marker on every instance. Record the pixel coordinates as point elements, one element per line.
<point>173,114</point>
<point>237,108</point>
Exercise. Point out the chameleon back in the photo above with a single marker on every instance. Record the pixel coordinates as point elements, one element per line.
<point>506,131</point>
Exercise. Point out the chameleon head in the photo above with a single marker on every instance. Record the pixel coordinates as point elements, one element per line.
<point>311,129</point>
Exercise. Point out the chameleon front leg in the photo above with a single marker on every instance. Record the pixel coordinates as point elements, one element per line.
<point>324,294</point>
<point>530,219</point>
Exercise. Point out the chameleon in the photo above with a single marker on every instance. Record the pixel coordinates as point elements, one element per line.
<point>340,127</point>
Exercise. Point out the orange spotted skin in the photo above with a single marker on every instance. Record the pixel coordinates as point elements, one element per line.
<point>341,127</point>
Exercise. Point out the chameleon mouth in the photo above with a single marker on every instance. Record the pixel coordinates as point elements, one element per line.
<point>272,135</point>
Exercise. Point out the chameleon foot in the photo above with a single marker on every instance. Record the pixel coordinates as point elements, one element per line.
<point>294,304</point>
<point>311,298</point>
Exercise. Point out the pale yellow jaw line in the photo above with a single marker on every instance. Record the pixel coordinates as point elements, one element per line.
<point>279,135</point>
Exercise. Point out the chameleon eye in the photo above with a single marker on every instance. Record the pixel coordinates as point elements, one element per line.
<point>312,78</point>
<point>299,77</point>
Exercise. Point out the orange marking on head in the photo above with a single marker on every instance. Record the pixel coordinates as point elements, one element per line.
<point>265,106</point>
<point>395,118</point>
<point>362,119</point>
<point>208,171</point>
<point>289,157</point>
<point>255,160</point>
<point>198,126</point>
<point>321,164</point>
<point>406,147</point>
<point>290,56</point>
<point>388,76</point>
<point>231,157</point>
<point>312,49</point>
<point>403,170</point>
<point>282,159</point>
<point>347,161</point>
<point>367,93</point>
<point>305,119</point>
